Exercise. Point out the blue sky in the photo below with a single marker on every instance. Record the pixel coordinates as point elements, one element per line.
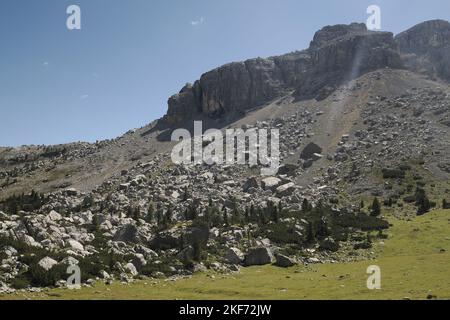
<point>118,71</point>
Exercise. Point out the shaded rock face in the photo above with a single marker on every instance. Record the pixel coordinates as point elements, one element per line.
<point>232,88</point>
<point>425,48</point>
<point>309,151</point>
<point>342,53</point>
<point>171,239</point>
<point>128,234</point>
<point>239,86</point>
<point>425,36</point>
<point>259,256</point>
<point>284,261</point>
<point>337,53</point>
<point>234,256</point>
<point>185,102</point>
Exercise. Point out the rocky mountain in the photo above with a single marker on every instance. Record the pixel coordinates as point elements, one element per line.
<point>362,115</point>
<point>336,54</point>
<point>426,48</point>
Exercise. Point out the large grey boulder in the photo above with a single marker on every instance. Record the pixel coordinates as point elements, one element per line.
<point>309,151</point>
<point>166,240</point>
<point>75,245</point>
<point>128,233</point>
<point>139,261</point>
<point>187,254</point>
<point>288,169</point>
<point>149,254</point>
<point>285,189</point>
<point>251,182</point>
<point>284,261</point>
<point>131,269</point>
<point>234,256</point>
<point>259,256</point>
<point>176,238</point>
<point>270,183</point>
<point>29,240</point>
<point>53,216</point>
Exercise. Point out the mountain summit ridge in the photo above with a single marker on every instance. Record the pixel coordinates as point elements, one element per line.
<point>336,54</point>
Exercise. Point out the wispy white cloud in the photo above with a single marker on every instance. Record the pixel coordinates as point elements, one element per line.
<point>84,97</point>
<point>198,22</point>
<point>45,64</point>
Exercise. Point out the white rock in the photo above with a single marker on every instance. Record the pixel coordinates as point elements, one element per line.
<point>53,216</point>
<point>47,263</point>
<point>270,183</point>
<point>286,189</point>
<point>130,268</point>
<point>75,245</point>
<point>29,240</point>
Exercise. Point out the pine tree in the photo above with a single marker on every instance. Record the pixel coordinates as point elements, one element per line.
<point>310,234</point>
<point>137,214</point>
<point>306,207</point>
<point>169,215</point>
<point>375,208</point>
<point>197,254</point>
<point>130,212</point>
<point>253,214</point>
<point>236,216</point>
<point>424,206</point>
<point>273,212</point>
<point>247,215</point>
<point>185,194</point>
<point>422,202</point>
<point>158,218</point>
<point>225,216</point>
<point>261,216</point>
<point>390,202</point>
<point>95,223</point>
<point>150,213</point>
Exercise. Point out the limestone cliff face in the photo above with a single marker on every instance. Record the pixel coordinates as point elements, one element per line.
<point>344,52</point>
<point>425,48</point>
<point>337,53</point>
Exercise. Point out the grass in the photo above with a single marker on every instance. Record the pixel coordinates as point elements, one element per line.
<point>414,262</point>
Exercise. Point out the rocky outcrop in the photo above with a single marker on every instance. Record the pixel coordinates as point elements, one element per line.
<point>234,256</point>
<point>284,261</point>
<point>343,52</point>
<point>425,48</point>
<point>128,234</point>
<point>259,256</point>
<point>309,151</point>
<point>337,53</point>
